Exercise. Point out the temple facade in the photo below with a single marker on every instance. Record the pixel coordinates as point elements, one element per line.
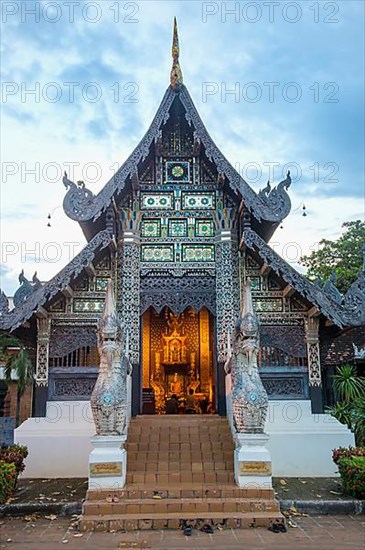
<point>179,231</point>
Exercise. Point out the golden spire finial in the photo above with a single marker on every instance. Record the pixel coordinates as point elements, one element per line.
<point>176,78</point>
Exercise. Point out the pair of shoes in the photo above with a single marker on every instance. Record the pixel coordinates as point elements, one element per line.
<point>113,498</point>
<point>207,529</point>
<point>187,531</point>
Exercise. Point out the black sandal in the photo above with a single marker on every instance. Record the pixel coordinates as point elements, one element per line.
<point>187,531</point>
<point>207,529</point>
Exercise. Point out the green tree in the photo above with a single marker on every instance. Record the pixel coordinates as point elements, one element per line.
<point>343,256</point>
<point>18,361</point>
<point>349,389</point>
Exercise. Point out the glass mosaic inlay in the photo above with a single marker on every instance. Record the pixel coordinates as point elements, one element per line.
<point>198,253</point>
<point>255,283</point>
<point>101,283</point>
<point>161,253</point>
<point>177,172</point>
<point>204,228</point>
<point>80,306</point>
<point>195,201</point>
<point>151,228</point>
<point>178,228</point>
<point>161,201</point>
<point>268,305</point>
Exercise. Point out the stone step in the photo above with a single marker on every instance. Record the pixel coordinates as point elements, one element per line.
<point>146,466</point>
<point>195,506</point>
<point>174,520</point>
<point>186,490</point>
<point>173,478</point>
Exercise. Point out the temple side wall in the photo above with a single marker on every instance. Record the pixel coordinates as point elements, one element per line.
<point>300,443</point>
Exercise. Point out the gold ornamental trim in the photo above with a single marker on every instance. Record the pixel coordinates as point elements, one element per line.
<point>254,467</point>
<point>104,469</point>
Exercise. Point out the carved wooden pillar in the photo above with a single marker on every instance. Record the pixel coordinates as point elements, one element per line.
<point>41,375</point>
<point>129,305</point>
<point>314,363</point>
<point>228,303</point>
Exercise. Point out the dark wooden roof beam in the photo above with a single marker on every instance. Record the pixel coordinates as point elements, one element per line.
<point>288,291</point>
<point>41,313</point>
<point>68,291</point>
<point>314,312</point>
<point>90,270</point>
<point>265,269</point>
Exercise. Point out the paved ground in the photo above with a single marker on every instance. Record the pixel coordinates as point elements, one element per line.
<point>312,533</point>
<point>73,490</point>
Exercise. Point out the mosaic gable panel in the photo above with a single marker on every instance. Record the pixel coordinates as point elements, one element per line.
<point>198,253</point>
<point>177,172</point>
<point>157,253</point>
<point>151,228</point>
<point>101,283</point>
<point>204,228</point>
<point>198,201</point>
<point>160,201</point>
<point>178,228</point>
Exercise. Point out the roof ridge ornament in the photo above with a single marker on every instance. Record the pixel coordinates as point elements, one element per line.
<point>176,77</point>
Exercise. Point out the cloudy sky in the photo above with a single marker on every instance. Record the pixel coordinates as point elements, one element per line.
<point>278,84</point>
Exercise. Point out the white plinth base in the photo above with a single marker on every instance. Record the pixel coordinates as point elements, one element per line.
<point>59,444</point>
<point>252,462</point>
<point>107,462</point>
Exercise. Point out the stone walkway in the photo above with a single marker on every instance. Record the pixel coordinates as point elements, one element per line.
<point>312,533</point>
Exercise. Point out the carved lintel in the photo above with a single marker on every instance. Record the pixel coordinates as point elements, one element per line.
<point>265,269</point>
<point>314,312</point>
<point>68,292</point>
<point>288,291</point>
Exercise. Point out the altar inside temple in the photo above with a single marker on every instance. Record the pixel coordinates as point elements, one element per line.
<point>177,356</point>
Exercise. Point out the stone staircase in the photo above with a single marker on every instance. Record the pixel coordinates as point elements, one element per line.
<point>179,470</point>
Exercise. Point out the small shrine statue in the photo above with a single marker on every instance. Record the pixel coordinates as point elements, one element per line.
<point>109,397</point>
<point>249,397</point>
<point>175,385</point>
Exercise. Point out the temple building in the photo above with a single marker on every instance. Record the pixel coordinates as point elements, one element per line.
<point>179,231</point>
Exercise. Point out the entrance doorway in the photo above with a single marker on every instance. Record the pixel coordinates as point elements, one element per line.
<point>177,357</point>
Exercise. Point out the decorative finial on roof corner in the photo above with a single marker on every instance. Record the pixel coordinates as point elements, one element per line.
<point>176,77</point>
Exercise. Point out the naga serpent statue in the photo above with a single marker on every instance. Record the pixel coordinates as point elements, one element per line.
<point>249,397</point>
<point>109,397</point>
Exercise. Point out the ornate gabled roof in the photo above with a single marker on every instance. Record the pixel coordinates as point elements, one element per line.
<point>350,311</point>
<point>10,320</point>
<point>81,205</point>
<point>270,205</point>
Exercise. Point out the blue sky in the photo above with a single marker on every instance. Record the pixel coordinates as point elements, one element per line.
<point>121,51</point>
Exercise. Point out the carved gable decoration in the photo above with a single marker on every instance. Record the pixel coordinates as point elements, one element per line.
<point>289,339</point>
<point>64,340</point>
